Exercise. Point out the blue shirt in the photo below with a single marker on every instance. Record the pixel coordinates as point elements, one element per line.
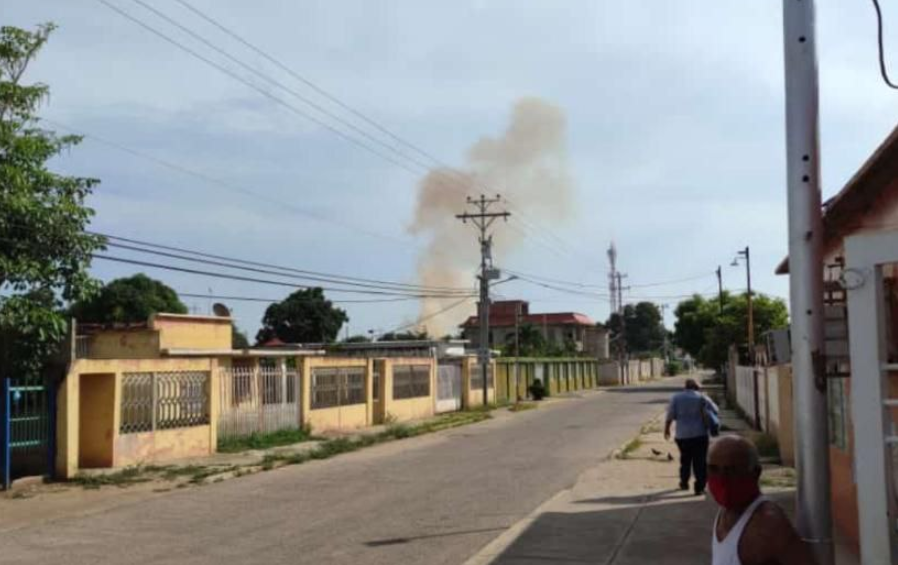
<point>686,409</point>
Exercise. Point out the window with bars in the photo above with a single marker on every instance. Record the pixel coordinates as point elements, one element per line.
<point>411,381</point>
<point>162,401</point>
<point>337,386</point>
<point>477,376</point>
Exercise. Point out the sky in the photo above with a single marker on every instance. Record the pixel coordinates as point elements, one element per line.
<point>674,135</point>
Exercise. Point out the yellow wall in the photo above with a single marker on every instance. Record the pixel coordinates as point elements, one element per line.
<point>341,417</point>
<point>474,398</point>
<point>97,420</point>
<point>162,445</point>
<point>71,436</point>
<point>192,332</point>
<point>136,344</point>
<point>410,408</point>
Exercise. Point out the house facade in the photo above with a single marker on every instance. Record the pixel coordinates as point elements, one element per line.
<point>558,328</point>
<point>863,213</point>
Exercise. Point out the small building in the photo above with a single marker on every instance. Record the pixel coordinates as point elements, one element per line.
<point>559,328</point>
<point>173,387</point>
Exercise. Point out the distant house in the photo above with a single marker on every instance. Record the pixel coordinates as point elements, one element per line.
<point>558,328</point>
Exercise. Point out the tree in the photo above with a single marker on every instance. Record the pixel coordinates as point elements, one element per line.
<point>238,338</point>
<point>358,338</point>
<point>531,342</point>
<point>644,330</point>
<point>410,335</point>
<point>46,251</point>
<point>706,333</point>
<point>305,316</point>
<point>128,300</point>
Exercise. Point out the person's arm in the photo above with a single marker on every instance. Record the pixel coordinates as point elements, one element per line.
<point>773,539</point>
<point>711,404</point>
<point>671,416</point>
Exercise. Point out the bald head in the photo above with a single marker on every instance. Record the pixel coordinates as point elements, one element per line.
<point>692,384</point>
<point>734,455</point>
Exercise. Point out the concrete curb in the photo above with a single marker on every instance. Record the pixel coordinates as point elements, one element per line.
<point>495,548</point>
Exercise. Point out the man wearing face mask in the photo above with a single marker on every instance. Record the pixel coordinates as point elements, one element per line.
<point>749,528</point>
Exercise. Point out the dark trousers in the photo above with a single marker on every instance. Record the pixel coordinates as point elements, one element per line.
<point>694,458</point>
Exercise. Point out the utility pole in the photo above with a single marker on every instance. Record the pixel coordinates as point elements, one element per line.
<point>482,220</point>
<point>517,344</point>
<point>806,277</point>
<point>612,277</point>
<point>663,308</point>
<point>720,288</point>
<point>622,338</point>
<point>746,253</point>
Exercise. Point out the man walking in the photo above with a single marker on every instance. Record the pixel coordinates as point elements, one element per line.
<point>687,408</point>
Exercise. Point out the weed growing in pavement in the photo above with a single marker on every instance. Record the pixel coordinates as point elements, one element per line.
<point>631,446</point>
<point>126,477</point>
<point>522,406</point>
<point>265,441</point>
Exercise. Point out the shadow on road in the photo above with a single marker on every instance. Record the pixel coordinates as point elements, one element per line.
<point>397,541</point>
<point>674,529</point>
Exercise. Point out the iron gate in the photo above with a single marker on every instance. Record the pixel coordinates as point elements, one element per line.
<point>449,387</point>
<point>27,428</point>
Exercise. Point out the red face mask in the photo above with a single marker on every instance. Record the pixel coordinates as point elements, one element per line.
<point>733,492</point>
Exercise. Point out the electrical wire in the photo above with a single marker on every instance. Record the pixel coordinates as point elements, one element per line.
<point>256,280</point>
<point>430,316</point>
<point>363,145</point>
<point>276,300</point>
<point>879,38</point>
<point>310,275</point>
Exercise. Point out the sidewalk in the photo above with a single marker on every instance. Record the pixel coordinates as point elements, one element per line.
<point>627,511</point>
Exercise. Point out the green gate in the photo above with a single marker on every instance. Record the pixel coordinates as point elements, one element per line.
<point>27,429</point>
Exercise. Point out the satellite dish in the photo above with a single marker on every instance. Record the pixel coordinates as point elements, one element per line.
<point>221,310</point>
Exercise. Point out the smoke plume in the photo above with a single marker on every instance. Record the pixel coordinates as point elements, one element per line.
<point>526,165</point>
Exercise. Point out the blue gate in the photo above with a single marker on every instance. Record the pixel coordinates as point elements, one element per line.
<point>27,428</point>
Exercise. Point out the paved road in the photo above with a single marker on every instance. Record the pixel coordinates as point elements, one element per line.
<point>431,500</point>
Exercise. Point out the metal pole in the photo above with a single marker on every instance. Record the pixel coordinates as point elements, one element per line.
<point>517,346</point>
<point>806,278</point>
<point>751,310</point>
<point>484,314</point>
<point>720,288</point>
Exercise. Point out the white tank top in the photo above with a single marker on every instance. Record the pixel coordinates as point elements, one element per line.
<point>726,552</point>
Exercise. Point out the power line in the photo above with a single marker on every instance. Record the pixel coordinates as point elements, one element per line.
<point>254,280</point>
<point>310,275</point>
<point>430,316</point>
<point>361,144</point>
<point>276,300</point>
<point>879,39</point>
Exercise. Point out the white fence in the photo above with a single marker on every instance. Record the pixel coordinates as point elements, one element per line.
<point>258,400</point>
<point>745,391</point>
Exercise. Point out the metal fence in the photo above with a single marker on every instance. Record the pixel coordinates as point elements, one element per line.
<point>337,386</point>
<point>163,401</point>
<point>258,400</point>
<point>27,428</point>
<point>411,381</point>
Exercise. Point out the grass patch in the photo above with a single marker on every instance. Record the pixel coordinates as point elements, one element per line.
<point>767,445</point>
<point>264,441</point>
<point>124,478</point>
<point>631,446</point>
<point>522,406</point>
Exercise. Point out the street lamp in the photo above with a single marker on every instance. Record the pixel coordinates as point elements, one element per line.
<point>746,254</point>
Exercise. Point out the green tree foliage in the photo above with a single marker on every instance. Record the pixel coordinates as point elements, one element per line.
<point>531,342</point>
<point>45,252</point>
<point>706,333</point>
<point>358,338</point>
<point>644,327</point>
<point>411,335</point>
<point>130,299</point>
<point>305,316</point>
<point>238,338</point>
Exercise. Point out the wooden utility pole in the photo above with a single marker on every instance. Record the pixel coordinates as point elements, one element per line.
<point>482,220</point>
